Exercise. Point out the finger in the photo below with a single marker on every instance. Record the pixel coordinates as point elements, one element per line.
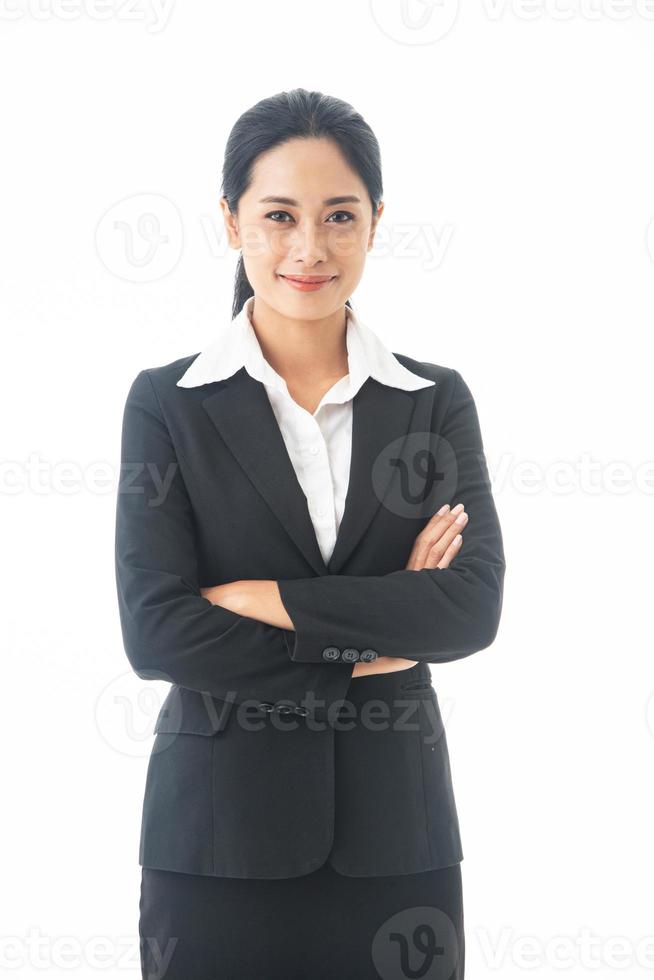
<point>451,551</point>
<point>444,550</point>
<point>438,529</point>
<point>430,533</point>
<point>439,549</point>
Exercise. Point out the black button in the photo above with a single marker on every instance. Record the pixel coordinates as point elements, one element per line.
<point>301,710</point>
<point>284,709</point>
<point>368,655</point>
<point>350,654</point>
<point>331,653</point>
<point>267,706</point>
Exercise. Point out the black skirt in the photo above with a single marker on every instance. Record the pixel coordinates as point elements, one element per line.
<point>320,926</point>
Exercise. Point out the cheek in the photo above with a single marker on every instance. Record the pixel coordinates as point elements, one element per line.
<point>277,240</point>
<point>260,241</point>
<point>349,246</point>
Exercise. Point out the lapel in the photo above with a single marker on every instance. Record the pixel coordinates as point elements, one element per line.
<point>242,414</point>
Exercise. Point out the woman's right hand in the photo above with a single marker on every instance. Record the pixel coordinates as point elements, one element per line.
<point>435,547</point>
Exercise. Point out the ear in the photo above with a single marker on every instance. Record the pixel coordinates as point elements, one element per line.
<point>231,224</point>
<point>375,222</point>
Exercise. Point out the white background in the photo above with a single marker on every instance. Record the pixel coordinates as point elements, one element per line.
<point>516,246</point>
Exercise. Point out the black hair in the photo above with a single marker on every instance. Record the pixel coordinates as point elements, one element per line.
<point>291,115</point>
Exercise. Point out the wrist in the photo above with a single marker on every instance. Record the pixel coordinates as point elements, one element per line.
<point>229,595</point>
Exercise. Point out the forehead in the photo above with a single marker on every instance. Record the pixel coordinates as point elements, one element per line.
<point>308,170</point>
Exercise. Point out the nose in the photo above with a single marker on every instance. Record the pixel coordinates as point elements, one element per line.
<point>306,244</point>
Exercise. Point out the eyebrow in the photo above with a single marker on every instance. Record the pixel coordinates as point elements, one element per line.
<point>274,199</point>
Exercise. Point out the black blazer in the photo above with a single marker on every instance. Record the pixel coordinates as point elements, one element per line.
<point>268,757</point>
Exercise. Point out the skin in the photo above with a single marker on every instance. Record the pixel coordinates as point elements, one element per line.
<point>302,334</point>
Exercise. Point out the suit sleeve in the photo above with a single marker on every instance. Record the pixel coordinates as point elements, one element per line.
<point>432,615</point>
<point>170,631</point>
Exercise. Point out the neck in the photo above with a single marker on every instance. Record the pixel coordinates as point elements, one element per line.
<point>302,350</point>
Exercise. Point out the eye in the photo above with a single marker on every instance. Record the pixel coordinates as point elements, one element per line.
<point>348,215</point>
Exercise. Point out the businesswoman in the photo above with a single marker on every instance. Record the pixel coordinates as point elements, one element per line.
<point>290,557</point>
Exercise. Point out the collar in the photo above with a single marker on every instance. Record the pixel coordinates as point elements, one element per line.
<point>237,346</point>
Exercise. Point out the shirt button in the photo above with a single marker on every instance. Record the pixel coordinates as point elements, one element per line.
<point>320,511</point>
<point>314,450</point>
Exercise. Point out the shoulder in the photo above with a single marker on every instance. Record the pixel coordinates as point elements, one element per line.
<point>452,396</point>
<point>444,377</point>
<point>161,380</point>
<point>166,375</point>
<point>153,391</point>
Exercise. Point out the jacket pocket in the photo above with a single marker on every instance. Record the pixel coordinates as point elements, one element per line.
<point>192,713</point>
<point>421,688</point>
<point>440,805</point>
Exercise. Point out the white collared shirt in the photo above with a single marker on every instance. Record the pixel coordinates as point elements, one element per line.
<point>320,444</point>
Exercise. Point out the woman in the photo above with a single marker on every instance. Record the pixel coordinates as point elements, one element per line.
<point>285,546</point>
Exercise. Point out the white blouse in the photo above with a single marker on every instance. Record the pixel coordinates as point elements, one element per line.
<point>319,445</point>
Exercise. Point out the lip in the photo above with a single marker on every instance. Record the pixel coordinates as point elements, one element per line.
<point>307,283</point>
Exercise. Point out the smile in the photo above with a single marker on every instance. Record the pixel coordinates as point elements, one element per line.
<point>308,283</point>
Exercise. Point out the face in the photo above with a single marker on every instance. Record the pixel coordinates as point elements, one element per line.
<point>306,213</point>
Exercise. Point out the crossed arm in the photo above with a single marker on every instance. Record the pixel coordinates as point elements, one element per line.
<point>223,639</point>
<point>255,598</point>
<point>260,599</point>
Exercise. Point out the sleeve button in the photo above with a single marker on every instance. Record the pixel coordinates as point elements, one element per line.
<point>331,653</point>
<point>368,655</point>
<point>350,654</point>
